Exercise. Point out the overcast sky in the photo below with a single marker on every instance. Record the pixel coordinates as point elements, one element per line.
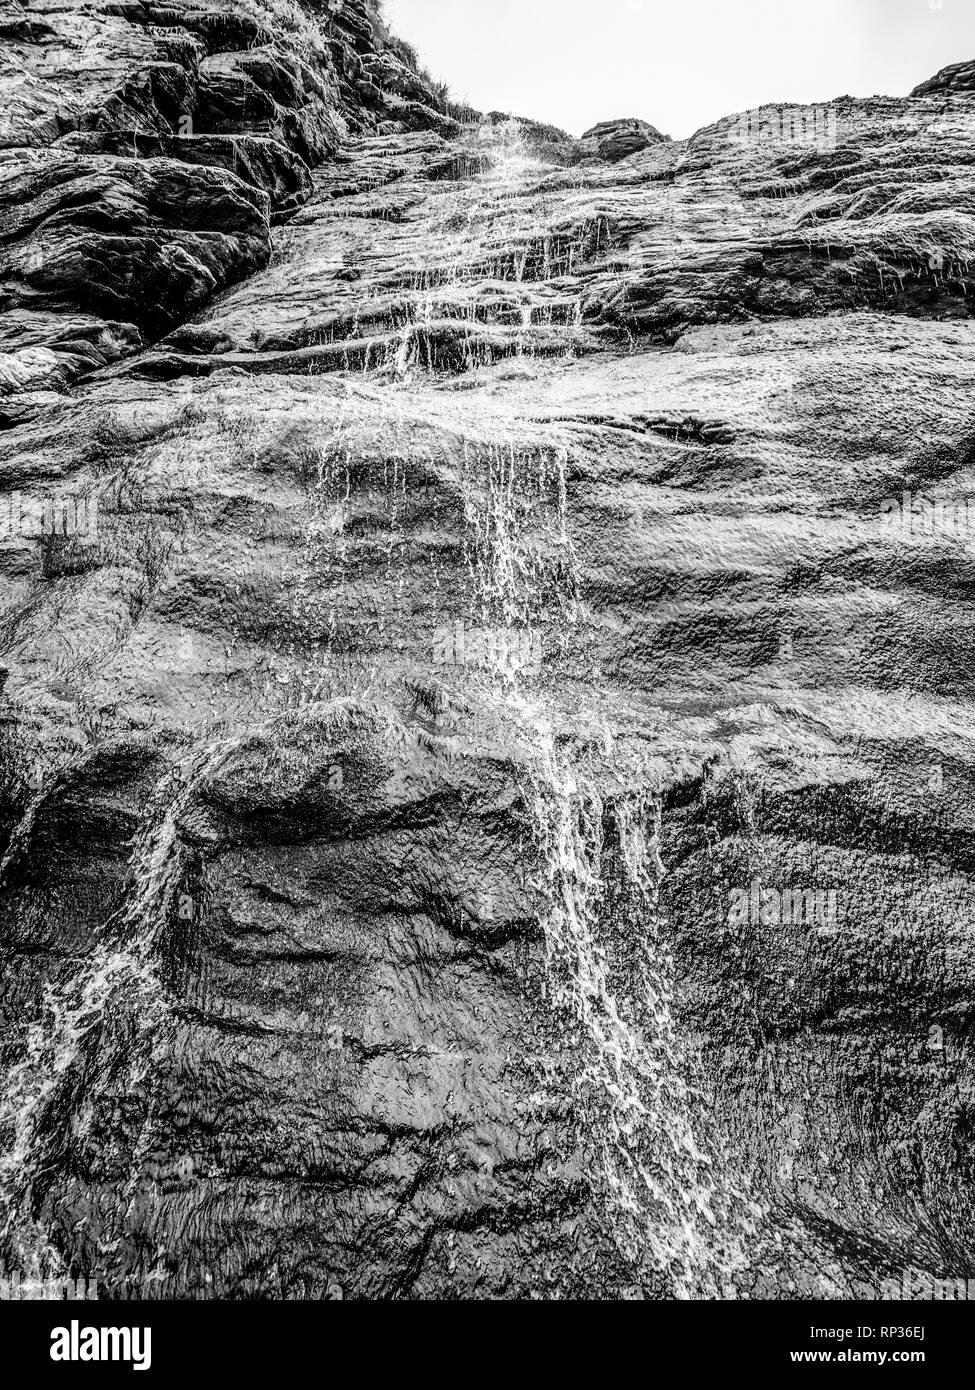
<point>679,64</point>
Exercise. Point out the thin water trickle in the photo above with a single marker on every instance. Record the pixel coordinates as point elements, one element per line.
<point>670,1201</point>
<point>67,1047</point>
<point>488,250</point>
<point>520,556</point>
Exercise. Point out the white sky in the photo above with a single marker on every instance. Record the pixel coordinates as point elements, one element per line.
<point>679,64</point>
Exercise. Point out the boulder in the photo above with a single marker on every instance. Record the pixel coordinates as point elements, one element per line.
<point>616,140</point>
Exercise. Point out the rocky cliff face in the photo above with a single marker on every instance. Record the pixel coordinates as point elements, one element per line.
<point>148,150</point>
<point>486,740</point>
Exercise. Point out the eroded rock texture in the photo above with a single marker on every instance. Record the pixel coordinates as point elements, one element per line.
<point>486,755</point>
<point>146,149</point>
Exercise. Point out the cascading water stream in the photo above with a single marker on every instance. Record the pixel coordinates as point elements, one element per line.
<point>672,1208</point>
<point>67,1048</point>
<point>522,563</point>
<point>487,254</point>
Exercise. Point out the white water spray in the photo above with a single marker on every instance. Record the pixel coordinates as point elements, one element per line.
<point>670,1206</point>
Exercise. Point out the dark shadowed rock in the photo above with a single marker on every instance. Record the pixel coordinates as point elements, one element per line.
<point>140,242</point>
<point>615,140</point>
<point>98,217</point>
<point>959,77</point>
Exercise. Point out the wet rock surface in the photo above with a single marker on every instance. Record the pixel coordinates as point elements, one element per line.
<point>145,151</point>
<point>487,756</point>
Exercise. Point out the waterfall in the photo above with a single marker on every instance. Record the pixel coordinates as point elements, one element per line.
<point>671,1207</point>
<point>662,1183</point>
<point>668,1199</point>
<point>489,250</point>
<point>68,1055</point>
<point>521,560</point>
